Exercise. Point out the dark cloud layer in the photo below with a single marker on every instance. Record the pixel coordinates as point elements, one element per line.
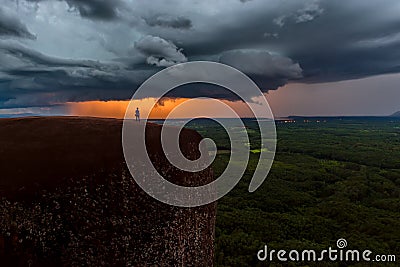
<point>160,52</point>
<point>33,79</point>
<point>12,26</point>
<point>75,50</point>
<point>96,9</point>
<point>268,71</point>
<point>179,22</point>
<point>92,9</point>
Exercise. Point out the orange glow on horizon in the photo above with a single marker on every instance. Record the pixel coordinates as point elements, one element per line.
<point>117,109</point>
<point>104,109</point>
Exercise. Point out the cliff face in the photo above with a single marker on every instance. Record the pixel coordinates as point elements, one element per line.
<point>68,199</point>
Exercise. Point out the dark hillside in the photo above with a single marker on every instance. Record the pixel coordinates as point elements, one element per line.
<point>68,199</point>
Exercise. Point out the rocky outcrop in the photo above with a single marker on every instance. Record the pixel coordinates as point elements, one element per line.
<point>68,199</point>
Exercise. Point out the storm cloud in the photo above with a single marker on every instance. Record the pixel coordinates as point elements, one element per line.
<point>267,70</point>
<point>160,52</point>
<point>96,9</point>
<point>179,22</point>
<point>31,79</point>
<point>56,51</point>
<point>11,26</point>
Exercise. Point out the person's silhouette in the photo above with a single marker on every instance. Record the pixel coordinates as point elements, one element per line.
<point>137,114</point>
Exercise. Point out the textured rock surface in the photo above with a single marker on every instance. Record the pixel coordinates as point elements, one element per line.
<point>59,207</point>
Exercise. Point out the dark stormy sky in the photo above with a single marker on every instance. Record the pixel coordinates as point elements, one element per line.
<point>322,57</point>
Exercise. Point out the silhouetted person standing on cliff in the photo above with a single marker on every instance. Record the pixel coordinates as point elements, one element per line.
<point>137,114</point>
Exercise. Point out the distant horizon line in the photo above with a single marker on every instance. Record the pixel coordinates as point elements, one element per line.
<point>27,115</point>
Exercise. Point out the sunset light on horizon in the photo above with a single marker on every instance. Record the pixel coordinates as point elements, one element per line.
<point>149,108</point>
